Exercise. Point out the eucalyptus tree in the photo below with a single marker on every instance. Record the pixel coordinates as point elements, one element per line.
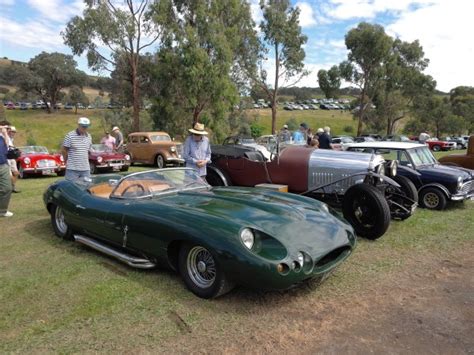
<point>110,30</point>
<point>369,48</point>
<point>200,65</point>
<point>283,41</point>
<point>330,81</point>
<point>47,74</point>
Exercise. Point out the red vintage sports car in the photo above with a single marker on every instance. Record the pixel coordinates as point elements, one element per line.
<point>102,158</point>
<point>36,160</point>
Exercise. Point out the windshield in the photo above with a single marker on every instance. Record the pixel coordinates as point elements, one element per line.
<point>160,138</point>
<point>100,148</point>
<point>32,149</point>
<point>422,156</point>
<point>157,182</point>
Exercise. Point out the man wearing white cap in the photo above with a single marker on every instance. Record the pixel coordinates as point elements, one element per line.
<point>285,134</point>
<point>76,147</point>
<point>197,150</point>
<point>118,138</point>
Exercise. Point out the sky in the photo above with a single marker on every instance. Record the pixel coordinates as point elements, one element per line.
<point>443,27</point>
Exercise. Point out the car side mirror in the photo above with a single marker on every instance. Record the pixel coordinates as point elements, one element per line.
<point>113,182</point>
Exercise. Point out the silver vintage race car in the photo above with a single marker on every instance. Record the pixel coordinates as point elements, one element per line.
<point>364,186</point>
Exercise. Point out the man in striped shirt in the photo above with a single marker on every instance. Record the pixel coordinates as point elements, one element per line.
<point>76,147</point>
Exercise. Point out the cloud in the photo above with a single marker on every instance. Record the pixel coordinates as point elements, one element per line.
<point>57,10</point>
<point>33,34</point>
<point>307,18</point>
<point>442,31</point>
<point>7,2</point>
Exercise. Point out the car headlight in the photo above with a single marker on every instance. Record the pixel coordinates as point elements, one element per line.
<point>127,157</point>
<point>61,158</point>
<point>27,161</point>
<point>393,168</point>
<point>459,182</point>
<point>300,258</point>
<point>173,149</point>
<point>381,171</point>
<point>99,160</point>
<point>247,237</point>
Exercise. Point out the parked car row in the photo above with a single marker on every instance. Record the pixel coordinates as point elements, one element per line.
<point>221,236</point>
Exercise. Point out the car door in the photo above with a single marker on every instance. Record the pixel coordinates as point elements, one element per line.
<point>102,217</point>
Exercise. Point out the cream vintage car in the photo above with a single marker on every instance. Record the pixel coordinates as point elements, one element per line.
<point>155,148</point>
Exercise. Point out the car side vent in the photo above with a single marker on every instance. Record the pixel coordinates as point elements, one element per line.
<point>333,256</point>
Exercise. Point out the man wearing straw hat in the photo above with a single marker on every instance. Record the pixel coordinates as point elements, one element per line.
<point>197,150</point>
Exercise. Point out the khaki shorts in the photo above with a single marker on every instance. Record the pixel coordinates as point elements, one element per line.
<point>12,163</point>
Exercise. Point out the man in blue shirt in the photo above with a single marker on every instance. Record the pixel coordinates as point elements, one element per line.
<point>5,179</point>
<point>197,150</point>
<point>299,137</point>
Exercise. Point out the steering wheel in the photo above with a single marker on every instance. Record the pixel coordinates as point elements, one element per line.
<point>138,193</point>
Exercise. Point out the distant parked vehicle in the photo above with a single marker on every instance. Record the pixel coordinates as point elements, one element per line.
<point>342,142</point>
<point>362,139</point>
<point>396,138</point>
<point>68,107</point>
<point>436,145</point>
<point>10,106</point>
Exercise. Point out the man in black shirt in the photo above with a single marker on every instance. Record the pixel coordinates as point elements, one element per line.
<point>325,139</point>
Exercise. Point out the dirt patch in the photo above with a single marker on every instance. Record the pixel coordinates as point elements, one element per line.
<point>425,307</point>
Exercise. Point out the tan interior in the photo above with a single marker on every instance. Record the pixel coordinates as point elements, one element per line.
<point>104,189</point>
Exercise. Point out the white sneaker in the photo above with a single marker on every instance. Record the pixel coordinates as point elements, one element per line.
<point>6,214</point>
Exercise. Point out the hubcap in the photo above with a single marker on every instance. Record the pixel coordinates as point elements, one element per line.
<point>201,267</point>
<point>431,200</point>
<point>159,161</point>
<point>60,222</point>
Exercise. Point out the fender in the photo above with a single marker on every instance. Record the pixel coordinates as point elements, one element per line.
<point>408,169</point>
<point>221,174</point>
<point>439,186</point>
<point>386,179</point>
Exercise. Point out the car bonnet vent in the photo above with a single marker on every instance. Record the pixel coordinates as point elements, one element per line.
<point>333,256</point>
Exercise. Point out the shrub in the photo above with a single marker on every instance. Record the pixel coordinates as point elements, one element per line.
<point>292,124</point>
<point>256,130</point>
<point>348,129</point>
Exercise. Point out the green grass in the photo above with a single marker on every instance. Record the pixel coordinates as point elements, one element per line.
<point>57,296</point>
<point>337,120</point>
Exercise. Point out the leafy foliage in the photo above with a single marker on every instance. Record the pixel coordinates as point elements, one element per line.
<point>330,81</point>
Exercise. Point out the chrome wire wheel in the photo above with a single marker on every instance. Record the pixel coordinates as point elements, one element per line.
<point>201,267</point>
<point>431,200</point>
<point>60,222</point>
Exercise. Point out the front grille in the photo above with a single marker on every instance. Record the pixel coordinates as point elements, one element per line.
<point>179,149</point>
<point>332,256</point>
<point>467,187</point>
<point>46,163</point>
<point>115,161</point>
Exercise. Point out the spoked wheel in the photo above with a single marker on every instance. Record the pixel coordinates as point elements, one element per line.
<point>366,209</point>
<point>217,177</point>
<point>160,161</point>
<point>402,199</point>
<point>433,199</point>
<point>61,228</point>
<point>201,272</point>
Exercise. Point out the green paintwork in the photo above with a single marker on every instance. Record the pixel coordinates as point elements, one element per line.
<point>284,225</point>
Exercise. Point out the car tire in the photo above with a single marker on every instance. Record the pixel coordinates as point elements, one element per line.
<point>60,227</point>
<point>94,169</point>
<point>217,177</point>
<point>459,146</point>
<point>366,209</point>
<point>61,173</point>
<point>124,168</point>
<point>201,272</point>
<point>436,148</point>
<point>407,189</point>
<point>433,198</point>
<point>160,161</point>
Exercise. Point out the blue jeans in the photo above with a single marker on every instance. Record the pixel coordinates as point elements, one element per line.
<point>77,176</point>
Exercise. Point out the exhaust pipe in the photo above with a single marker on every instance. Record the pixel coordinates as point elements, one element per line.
<point>130,260</point>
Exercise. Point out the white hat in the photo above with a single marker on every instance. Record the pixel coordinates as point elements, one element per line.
<point>84,122</point>
<point>198,129</point>
<point>320,130</point>
<point>13,128</point>
<point>285,126</point>
<point>115,129</point>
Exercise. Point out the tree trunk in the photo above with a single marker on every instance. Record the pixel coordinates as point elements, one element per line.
<point>275,89</point>
<point>196,113</point>
<point>361,108</point>
<point>135,96</point>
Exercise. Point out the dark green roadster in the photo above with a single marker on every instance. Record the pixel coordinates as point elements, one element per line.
<point>214,237</point>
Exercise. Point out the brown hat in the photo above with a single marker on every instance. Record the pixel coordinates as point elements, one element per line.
<point>198,129</point>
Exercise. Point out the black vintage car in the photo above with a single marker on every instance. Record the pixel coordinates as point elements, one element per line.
<point>436,183</point>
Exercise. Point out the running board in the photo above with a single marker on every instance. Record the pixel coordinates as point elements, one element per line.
<point>130,260</point>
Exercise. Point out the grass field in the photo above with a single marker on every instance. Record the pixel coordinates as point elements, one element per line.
<point>62,297</point>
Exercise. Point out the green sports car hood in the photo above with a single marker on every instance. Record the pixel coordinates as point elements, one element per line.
<point>298,222</point>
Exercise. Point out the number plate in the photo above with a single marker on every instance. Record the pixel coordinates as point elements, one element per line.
<point>47,172</point>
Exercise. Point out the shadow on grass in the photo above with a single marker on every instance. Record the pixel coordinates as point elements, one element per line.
<point>167,282</point>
